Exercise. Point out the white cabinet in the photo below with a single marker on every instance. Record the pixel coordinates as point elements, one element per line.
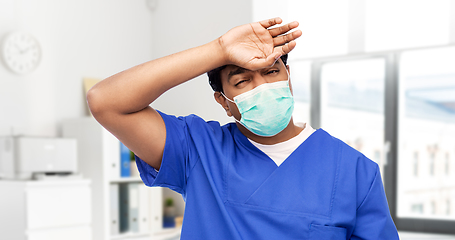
<point>99,160</point>
<point>45,209</point>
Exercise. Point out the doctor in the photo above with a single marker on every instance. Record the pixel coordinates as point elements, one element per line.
<point>260,177</point>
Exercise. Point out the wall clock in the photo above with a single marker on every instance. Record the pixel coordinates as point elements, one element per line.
<point>21,52</point>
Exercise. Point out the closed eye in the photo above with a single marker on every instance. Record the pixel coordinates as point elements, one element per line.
<point>241,81</point>
<point>273,71</point>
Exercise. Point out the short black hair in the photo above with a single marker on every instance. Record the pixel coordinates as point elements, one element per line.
<point>215,75</point>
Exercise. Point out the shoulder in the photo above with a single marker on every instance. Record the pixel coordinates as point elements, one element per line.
<point>354,166</point>
<point>195,125</point>
<point>188,120</point>
<point>347,153</point>
<point>356,170</point>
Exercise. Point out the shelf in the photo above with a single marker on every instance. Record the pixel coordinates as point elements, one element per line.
<point>129,235</point>
<point>99,160</point>
<point>165,233</point>
<point>126,180</point>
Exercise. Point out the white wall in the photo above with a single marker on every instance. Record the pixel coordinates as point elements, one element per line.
<point>89,38</point>
<point>179,25</point>
<point>97,39</point>
<point>84,38</point>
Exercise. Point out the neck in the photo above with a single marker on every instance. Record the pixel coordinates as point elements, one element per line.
<point>289,132</point>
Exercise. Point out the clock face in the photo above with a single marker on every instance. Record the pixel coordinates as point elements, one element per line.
<point>21,52</point>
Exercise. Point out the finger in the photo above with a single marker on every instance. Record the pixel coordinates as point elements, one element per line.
<point>283,29</point>
<point>260,63</point>
<point>283,39</point>
<point>270,22</point>
<point>285,49</point>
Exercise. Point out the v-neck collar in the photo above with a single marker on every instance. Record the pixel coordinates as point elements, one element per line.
<point>252,178</point>
<point>243,140</point>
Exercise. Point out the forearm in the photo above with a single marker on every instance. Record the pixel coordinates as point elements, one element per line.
<point>134,89</point>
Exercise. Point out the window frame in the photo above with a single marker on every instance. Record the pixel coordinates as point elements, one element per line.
<point>391,120</point>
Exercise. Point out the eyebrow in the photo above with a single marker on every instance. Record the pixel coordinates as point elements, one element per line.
<point>238,70</point>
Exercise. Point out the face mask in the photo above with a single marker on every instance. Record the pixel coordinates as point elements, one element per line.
<point>267,109</point>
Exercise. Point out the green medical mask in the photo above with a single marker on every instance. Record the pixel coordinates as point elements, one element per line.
<point>267,109</point>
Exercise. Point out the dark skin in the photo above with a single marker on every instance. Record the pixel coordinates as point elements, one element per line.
<point>121,103</point>
<point>237,80</point>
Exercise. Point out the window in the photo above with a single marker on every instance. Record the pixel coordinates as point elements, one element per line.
<point>417,208</point>
<point>416,164</point>
<point>392,24</point>
<point>377,156</point>
<point>433,208</point>
<point>300,74</point>
<point>324,24</point>
<point>352,103</point>
<point>448,201</point>
<point>426,123</point>
<point>417,117</point>
<point>398,107</point>
<point>329,27</point>
<point>432,162</point>
<point>324,29</point>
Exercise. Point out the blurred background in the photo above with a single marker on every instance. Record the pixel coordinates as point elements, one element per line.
<point>380,75</point>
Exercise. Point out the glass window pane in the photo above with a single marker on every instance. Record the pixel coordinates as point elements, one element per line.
<point>392,24</point>
<point>324,24</point>
<point>426,160</point>
<point>300,72</point>
<point>352,104</point>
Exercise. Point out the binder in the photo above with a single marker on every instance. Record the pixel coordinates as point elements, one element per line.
<point>124,161</point>
<point>110,154</point>
<point>144,212</point>
<point>124,208</point>
<point>156,208</point>
<point>133,192</point>
<point>114,206</point>
<point>129,207</point>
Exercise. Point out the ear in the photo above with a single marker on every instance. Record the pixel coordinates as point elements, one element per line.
<point>223,102</point>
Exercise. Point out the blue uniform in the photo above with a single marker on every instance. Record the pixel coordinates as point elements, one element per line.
<point>232,190</point>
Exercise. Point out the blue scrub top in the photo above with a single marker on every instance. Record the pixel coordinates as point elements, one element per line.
<point>232,190</point>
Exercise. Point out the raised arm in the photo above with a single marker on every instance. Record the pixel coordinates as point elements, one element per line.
<point>121,102</point>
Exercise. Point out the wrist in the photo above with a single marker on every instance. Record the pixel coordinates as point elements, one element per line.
<point>222,50</point>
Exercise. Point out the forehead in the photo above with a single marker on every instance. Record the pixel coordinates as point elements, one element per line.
<point>230,70</point>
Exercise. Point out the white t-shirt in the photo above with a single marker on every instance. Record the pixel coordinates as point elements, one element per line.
<point>280,151</point>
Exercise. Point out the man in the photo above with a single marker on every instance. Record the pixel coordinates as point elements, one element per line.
<point>262,177</point>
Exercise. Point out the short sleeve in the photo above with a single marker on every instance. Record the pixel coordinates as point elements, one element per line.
<point>373,215</point>
<point>175,162</point>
